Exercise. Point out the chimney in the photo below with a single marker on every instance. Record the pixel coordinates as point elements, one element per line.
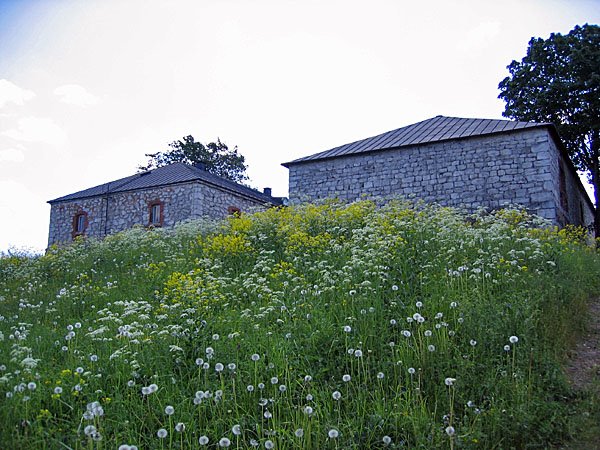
<point>267,191</point>
<point>200,165</point>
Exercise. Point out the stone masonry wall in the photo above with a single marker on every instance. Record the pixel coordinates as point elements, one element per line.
<point>492,171</point>
<point>127,209</point>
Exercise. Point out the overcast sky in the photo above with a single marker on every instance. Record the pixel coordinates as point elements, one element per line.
<point>88,87</point>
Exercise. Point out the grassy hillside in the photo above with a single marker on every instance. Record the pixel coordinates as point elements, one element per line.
<point>333,326</point>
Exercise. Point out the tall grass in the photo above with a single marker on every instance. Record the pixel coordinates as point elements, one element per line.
<point>319,326</point>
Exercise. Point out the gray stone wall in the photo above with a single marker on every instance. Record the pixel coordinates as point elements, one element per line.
<point>124,210</point>
<point>492,171</point>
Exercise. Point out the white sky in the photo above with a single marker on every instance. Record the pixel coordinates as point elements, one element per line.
<point>88,87</point>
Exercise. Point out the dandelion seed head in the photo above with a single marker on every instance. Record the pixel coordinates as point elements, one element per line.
<point>347,328</point>
<point>336,395</point>
<point>224,442</point>
<point>411,370</point>
<point>203,440</point>
<point>449,381</point>
<point>507,348</point>
<point>269,444</point>
<point>513,339</point>
<point>237,430</point>
<point>299,432</point>
<point>255,357</point>
<point>387,440</point>
<point>450,431</point>
<point>380,375</point>
<point>169,410</point>
<point>333,433</point>
<point>180,427</point>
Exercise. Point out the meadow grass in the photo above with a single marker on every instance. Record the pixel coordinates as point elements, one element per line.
<point>317,326</point>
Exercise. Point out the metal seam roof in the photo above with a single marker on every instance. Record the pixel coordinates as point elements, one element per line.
<point>436,129</point>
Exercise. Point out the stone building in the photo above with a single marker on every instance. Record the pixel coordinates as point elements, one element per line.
<point>156,198</point>
<point>455,162</point>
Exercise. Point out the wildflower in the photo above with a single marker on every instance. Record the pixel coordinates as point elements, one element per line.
<point>282,388</point>
<point>358,353</point>
<point>393,322</point>
<point>406,333</point>
<point>254,443</point>
<point>333,433</point>
<point>169,410</point>
<point>431,348</point>
<point>308,410</point>
<point>237,430</point>
<point>450,431</point>
<point>250,388</point>
<point>307,378</point>
<point>387,440</point>
<point>199,361</point>
<point>219,367</point>
<point>347,328</point>
<point>380,376</point>
<point>146,390</point>
<point>94,358</point>
<point>411,370</point>
<point>473,342</point>
<point>513,339</point>
<point>162,433</point>
<point>507,348</point>
<point>203,440</point>
<point>231,366</point>
<point>255,357</point>
<point>346,378</point>
<point>89,430</point>
<point>299,433</point>
<point>180,427</point>
<point>31,386</point>
<point>336,395</point>
<point>274,380</point>
<point>394,287</point>
<point>215,337</point>
<point>453,305</point>
<point>269,444</point>
<point>224,442</point>
<point>261,386</point>
<point>131,383</point>
<point>267,414</point>
<point>58,390</point>
<point>449,381</point>
<point>427,333</point>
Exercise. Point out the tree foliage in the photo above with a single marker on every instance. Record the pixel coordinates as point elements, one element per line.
<point>558,81</point>
<point>216,157</point>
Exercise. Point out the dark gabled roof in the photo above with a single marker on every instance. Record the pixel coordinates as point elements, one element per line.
<point>436,129</point>
<point>163,176</point>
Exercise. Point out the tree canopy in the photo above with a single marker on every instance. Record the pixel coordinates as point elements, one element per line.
<point>216,157</point>
<point>558,81</point>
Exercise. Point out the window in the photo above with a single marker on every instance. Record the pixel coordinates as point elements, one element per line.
<point>80,224</point>
<point>234,211</point>
<point>156,213</point>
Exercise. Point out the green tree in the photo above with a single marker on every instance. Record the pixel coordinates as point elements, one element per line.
<point>558,81</point>
<point>216,157</point>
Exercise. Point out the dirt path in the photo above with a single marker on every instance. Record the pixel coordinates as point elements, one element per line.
<point>583,372</point>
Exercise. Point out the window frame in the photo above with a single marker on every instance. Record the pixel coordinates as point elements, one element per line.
<point>80,218</point>
<point>151,213</point>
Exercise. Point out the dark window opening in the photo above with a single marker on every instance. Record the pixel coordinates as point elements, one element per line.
<point>234,211</point>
